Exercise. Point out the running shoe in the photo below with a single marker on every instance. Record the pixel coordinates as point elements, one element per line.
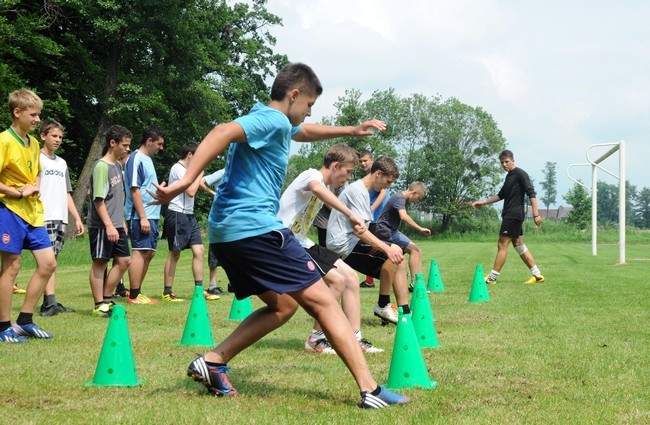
<point>535,279</point>
<point>48,310</point>
<point>18,290</point>
<point>60,308</point>
<point>32,330</point>
<point>121,293</point>
<point>216,290</point>
<point>214,378</point>
<point>171,298</point>
<point>365,284</point>
<point>320,346</point>
<point>387,314</point>
<point>490,281</point>
<point>385,398</point>
<point>210,297</point>
<point>142,299</point>
<point>103,310</point>
<point>367,347</point>
<point>411,287</point>
<point>10,335</point>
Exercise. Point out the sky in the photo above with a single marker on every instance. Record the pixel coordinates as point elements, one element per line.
<point>556,76</point>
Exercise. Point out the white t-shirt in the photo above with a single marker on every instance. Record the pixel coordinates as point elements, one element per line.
<point>299,205</point>
<point>182,203</point>
<point>215,178</point>
<point>55,186</point>
<point>340,234</point>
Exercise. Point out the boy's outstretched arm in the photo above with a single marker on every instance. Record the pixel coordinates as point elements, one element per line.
<point>408,220</point>
<point>316,132</point>
<point>326,195</point>
<point>212,145</point>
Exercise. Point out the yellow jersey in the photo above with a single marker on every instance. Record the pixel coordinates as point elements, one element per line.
<point>20,165</point>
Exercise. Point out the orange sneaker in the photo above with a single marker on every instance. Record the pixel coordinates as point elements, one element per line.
<point>142,299</point>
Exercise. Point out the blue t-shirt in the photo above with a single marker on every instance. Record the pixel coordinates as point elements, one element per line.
<point>374,194</point>
<point>140,172</point>
<point>247,202</point>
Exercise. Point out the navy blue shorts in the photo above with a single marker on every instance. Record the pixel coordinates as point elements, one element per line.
<point>103,249</point>
<point>366,260</point>
<point>141,241</point>
<point>16,234</point>
<point>274,261</point>
<point>182,231</point>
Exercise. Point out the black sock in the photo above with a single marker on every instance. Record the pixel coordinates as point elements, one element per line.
<point>120,287</point>
<point>99,303</point>
<point>198,282</point>
<point>167,290</point>
<point>211,364</point>
<point>49,300</point>
<point>24,318</point>
<point>4,326</point>
<point>133,293</point>
<point>384,300</point>
<point>107,300</point>
<point>405,309</point>
<point>376,391</point>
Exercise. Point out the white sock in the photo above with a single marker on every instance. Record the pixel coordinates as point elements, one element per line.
<point>358,335</point>
<point>316,335</point>
<point>494,275</point>
<point>535,271</point>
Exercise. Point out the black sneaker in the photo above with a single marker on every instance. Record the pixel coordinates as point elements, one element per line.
<point>365,284</point>
<point>411,287</point>
<point>230,288</point>
<point>214,378</point>
<point>60,308</point>
<point>48,310</point>
<point>216,291</point>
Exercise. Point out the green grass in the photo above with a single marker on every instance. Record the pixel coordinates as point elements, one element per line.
<point>571,350</point>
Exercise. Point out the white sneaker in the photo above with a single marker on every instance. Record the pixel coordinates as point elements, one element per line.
<point>367,347</point>
<point>320,346</point>
<point>388,313</point>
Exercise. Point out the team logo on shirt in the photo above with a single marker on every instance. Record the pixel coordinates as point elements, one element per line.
<point>6,238</point>
<point>311,266</point>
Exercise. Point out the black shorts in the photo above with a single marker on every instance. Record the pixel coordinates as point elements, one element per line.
<point>324,258</point>
<point>274,261</point>
<point>212,255</point>
<point>103,249</point>
<point>511,228</point>
<point>182,230</point>
<point>366,260</point>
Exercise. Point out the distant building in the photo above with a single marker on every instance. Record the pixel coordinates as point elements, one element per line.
<point>552,213</point>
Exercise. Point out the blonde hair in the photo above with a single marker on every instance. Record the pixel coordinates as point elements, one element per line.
<point>418,187</point>
<point>23,99</point>
<point>341,153</point>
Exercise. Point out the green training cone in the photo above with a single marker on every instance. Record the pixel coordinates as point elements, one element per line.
<point>435,281</point>
<point>116,366</point>
<point>422,316</point>
<point>407,368</point>
<point>240,309</point>
<point>197,326</point>
<point>479,292</point>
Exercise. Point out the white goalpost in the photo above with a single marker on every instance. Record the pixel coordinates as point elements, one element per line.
<point>595,164</point>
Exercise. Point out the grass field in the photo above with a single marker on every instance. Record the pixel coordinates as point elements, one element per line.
<point>574,349</point>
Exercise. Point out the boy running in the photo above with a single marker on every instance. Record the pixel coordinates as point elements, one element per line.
<point>260,255</point>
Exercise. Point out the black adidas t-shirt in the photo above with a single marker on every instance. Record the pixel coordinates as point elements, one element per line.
<point>513,192</point>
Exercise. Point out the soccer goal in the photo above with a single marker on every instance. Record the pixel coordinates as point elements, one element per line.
<point>595,165</point>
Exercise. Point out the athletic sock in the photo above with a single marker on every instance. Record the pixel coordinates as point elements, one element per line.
<point>24,318</point>
<point>357,334</point>
<point>316,335</point>
<point>370,280</point>
<point>494,275</point>
<point>405,309</point>
<point>167,290</point>
<point>535,271</point>
<point>211,364</point>
<point>383,301</point>
<point>133,293</point>
<point>49,300</point>
<point>376,391</point>
<point>4,326</point>
<point>198,282</point>
<point>99,303</point>
<point>212,285</point>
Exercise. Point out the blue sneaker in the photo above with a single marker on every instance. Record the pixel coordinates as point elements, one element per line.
<point>385,398</point>
<point>214,378</point>
<point>32,330</point>
<point>10,335</point>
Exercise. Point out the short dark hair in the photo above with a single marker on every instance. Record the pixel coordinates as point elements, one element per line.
<point>341,153</point>
<point>117,133</point>
<point>189,147</point>
<point>295,75</point>
<point>48,125</point>
<point>506,154</point>
<point>366,152</point>
<point>152,132</point>
<point>386,165</point>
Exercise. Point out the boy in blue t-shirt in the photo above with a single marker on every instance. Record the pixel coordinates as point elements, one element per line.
<point>259,254</point>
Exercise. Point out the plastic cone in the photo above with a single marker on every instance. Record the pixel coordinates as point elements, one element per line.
<point>407,368</point>
<point>435,281</point>
<point>197,326</point>
<point>116,366</point>
<point>422,316</point>
<point>479,292</point>
<point>240,309</point>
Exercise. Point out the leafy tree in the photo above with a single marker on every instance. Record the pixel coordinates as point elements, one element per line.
<point>642,209</point>
<point>549,185</point>
<point>580,200</point>
<point>608,195</point>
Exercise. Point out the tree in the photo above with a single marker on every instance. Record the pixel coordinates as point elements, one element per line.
<point>608,196</point>
<point>579,199</point>
<point>642,209</point>
<point>183,66</point>
<point>549,185</point>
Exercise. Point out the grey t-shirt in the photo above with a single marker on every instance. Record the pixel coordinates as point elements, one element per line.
<point>340,234</point>
<point>389,220</point>
<point>106,183</point>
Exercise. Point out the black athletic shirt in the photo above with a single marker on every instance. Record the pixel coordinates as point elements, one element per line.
<point>512,192</point>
